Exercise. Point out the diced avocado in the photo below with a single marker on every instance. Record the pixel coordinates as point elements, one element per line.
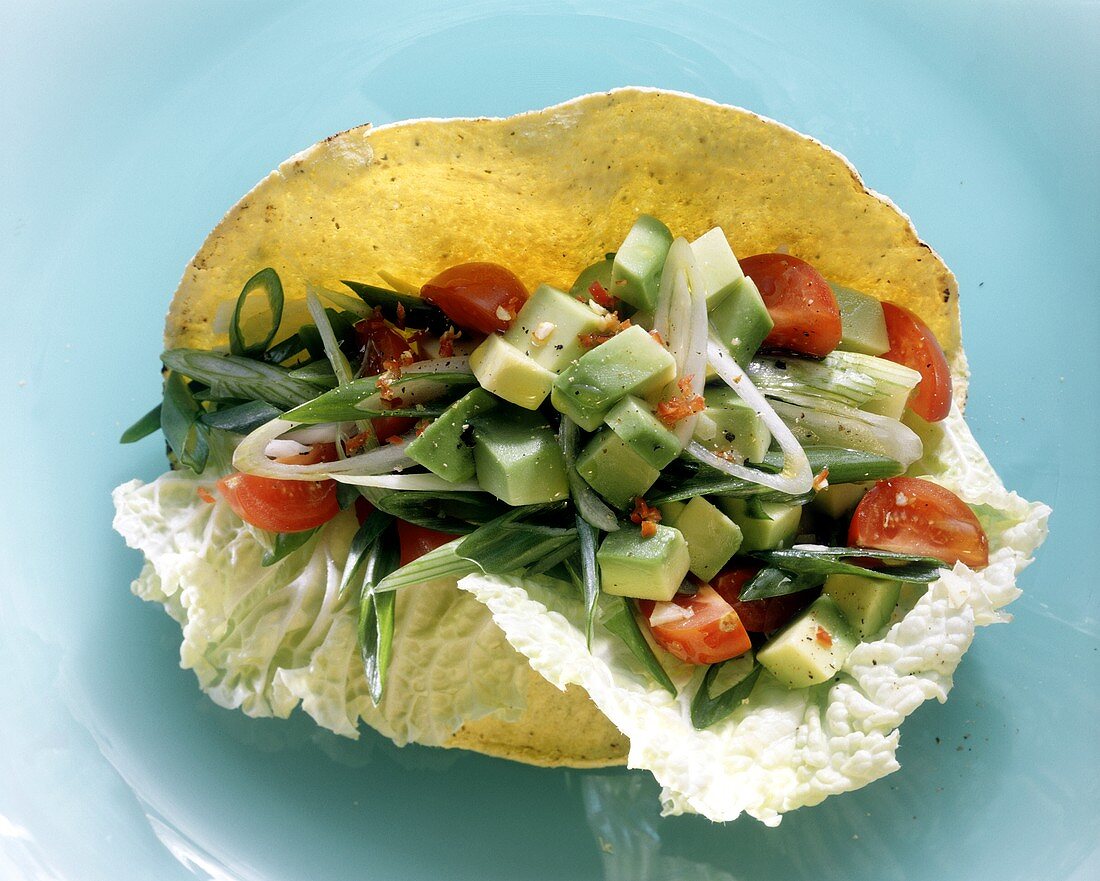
<point>840,499</point>
<point>741,320</point>
<point>759,534</point>
<point>812,648</point>
<point>867,603</point>
<point>646,568</point>
<point>639,261</point>
<point>910,593</point>
<point>517,457</point>
<point>508,373</point>
<point>717,264</point>
<point>599,271</point>
<point>440,447</point>
<point>548,326</point>
<point>614,470</point>
<point>862,324</point>
<point>711,536</point>
<point>630,363</point>
<point>633,421</point>
<point>737,427</point>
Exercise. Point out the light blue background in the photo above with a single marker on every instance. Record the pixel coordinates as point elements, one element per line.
<point>127,129</point>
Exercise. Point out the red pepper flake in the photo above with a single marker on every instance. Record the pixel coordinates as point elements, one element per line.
<point>682,405</point>
<point>385,385</point>
<point>401,315</point>
<point>599,293</point>
<point>394,438</point>
<point>823,637</point>
<point>447,342</point>
<point>355,443</point>
<point>647,516</point>
<point>656,334</point>
<point>821,479</point>
<point>205,495</point>
<point>422,425</point>
<point>613,327</point>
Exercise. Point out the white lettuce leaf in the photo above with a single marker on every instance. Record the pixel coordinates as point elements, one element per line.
<point>266,639</point>
<point>786,749</point>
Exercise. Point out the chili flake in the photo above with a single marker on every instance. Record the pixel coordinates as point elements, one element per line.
<point>679,407</point>
<point>599,293</point>
<point>647,516</point>
<point>823,637</point>
<point>205,495</point>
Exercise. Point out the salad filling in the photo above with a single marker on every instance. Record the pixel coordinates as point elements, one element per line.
<point>747,512</point>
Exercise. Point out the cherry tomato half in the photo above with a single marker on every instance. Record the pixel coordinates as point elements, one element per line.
<point>280,505</point>
<point>416,541</point>
<point>479,296</point>
<point>758,616</point>
<point>700,629</point>
<point>913,344</point>
<point>800,302</point>
<point>915,516</point>
<point>381,343</point>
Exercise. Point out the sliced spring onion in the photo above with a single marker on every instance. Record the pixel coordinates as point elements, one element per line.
<point>242,418</point>
<point>618,617</point>
<point>716,699</point>
<point>826,379</point>
<point>340,366</point>
<point>377,615</point>
<point>354,305</point>
<point>815,421</point>
<point>417,312</point>
<point>235,377</point>
<point>319,373</point>
<point>286,543</point>
<point>590,576</point>
<point>179,420</point>
<point>588,504</point>
<point>362,399</point>
<point>451,512</point>
<point>796,477</point>
<point>893,382</point>
<point>145,426</point>
<point>442,562</point>
<point>266,280</point>
<point>364,539</point>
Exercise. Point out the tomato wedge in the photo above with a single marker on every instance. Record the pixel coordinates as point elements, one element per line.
<point>913,344</point>
<point>915,516</point>
<point>416,541</point>
<point>383,344</point>
<point>280,505</point>
<point>799,301</point>
<point>700,629</point>
<point>758,616</point>
<point>478,296</point>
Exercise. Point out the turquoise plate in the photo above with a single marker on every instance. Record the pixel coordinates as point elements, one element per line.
<point>129,128</point>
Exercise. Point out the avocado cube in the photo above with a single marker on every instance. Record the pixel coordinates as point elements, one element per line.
<point>548,327</point>
<point>440,447</point>
<point>761,533</point>
<point>518,458</point>
<point>862,324</point>
<point>840,499</point>
<point>636,269</point>
<point>614,470</point>
<point>810,649</point>
<point>645,568</point>
<point>711,536</point>
<point>630,363</point>
<point>633,421</point>
<point>508,373</point>
<point>599,271</point>
<point>741,320</point>
<point>867,603</point>
<point>717,264</point>
<point>737,428</point>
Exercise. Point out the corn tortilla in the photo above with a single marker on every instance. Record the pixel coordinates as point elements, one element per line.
<point>546,193</point>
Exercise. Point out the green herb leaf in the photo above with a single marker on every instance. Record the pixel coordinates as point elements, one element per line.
<point>805,568</point>
<point>621,621</point>
<point>362,399</point>
<point>145,426</point>
<point>689,478</point>
<point>241,418</point>
<point>442,562</point>
<point>457,513</point>
<point>318,372</point>
<point>417,312</point>
<point>281,352</point>
<point>708,708</point>
<point>232,376</point>
<point>179,420</point>
<point>590,576</point>
<point>361,543</point>
<point>377,617</point>
<point>566,552</point>
<point>287,543</point>
<point>267,281</point>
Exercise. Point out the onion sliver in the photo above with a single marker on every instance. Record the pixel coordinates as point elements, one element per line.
<point>796,477</point>
<point>420,482</point>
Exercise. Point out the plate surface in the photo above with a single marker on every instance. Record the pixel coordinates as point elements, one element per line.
<point>130,128</point>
